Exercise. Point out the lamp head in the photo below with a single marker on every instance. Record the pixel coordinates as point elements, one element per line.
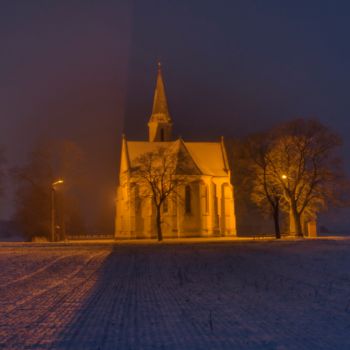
<point>58,182</point>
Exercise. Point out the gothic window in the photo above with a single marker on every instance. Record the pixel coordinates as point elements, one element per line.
<point>165,206</point>
<point>215,200</point>
<point>162,134</point>
<point>206,199</point>
<point>215,207</point>
<point>137,199</point>
<point>188,199</point>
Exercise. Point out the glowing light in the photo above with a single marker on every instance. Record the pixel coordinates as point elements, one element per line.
<point>284,176</point>
<point>58,182</point>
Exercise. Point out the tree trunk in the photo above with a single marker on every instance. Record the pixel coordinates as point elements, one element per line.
<point>297,222</point>
<point>276,220</point>
<point>159,225</point>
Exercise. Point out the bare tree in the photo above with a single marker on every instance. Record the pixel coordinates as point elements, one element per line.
<point>304,166</point>
<point>159,175</point>
<point>265,192</point>
<point>33,181</point>
<point>295,168</point>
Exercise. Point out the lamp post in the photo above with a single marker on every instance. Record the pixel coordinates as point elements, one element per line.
<point>53,211</point>
<point>292,222</point>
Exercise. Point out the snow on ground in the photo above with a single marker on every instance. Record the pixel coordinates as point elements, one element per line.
<point>240,295</point>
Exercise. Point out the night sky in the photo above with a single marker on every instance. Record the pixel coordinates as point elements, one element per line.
<point>85,70</point>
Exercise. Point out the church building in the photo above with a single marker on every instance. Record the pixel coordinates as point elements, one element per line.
<point>204,204</point>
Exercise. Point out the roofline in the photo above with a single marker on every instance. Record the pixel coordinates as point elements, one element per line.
<point>125,151</point>
<point>224,154</point>
<point>195,163</point>
<point>222,146</point>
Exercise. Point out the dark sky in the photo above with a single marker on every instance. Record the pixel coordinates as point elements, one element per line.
<point>85,70</point>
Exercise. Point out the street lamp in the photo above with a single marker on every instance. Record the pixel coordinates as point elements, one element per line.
<point>53,213</point>
<point>284,176</point>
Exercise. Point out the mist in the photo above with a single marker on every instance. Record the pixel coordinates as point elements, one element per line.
<point>65,68</point>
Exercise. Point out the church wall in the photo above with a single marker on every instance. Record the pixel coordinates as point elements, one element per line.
<point>211,211</point>
<point>224,222</point>
<point>123,213</point>
<point>227,209</point>
<point>191,219</point>
<point>169,218</point>
<point>205,208</point>
<point>138,206</point>
<point>147,219</point>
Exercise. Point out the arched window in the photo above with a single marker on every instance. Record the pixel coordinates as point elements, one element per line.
<point>215,207</point>
<point>165,206</point>
<point>188,199</point>
<point>137,199</point>
<point>215,200</point>
<point>161,134</point>
<point>206,199</point>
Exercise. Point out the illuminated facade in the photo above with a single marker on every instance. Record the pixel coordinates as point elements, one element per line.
<point>205,205</point>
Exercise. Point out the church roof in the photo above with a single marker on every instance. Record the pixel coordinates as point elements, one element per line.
<point>208,157</point>
<point>160,111</point>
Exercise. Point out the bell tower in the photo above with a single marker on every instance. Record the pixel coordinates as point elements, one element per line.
<point>160,123</point>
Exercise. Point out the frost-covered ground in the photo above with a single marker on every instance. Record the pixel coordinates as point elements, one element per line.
<point>241,295</point>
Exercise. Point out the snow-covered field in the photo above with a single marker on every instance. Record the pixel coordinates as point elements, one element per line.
<point>241,295</point>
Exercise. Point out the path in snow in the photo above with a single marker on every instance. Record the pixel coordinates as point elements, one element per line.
<point>246,295</point>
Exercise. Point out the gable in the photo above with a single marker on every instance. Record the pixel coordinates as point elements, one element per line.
<point>185,163</point>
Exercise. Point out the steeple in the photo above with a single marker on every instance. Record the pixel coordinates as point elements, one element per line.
<point>160,123</point>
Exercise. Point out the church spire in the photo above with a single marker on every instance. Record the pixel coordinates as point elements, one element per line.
<point>160,104</point>
<point>160,123</point>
